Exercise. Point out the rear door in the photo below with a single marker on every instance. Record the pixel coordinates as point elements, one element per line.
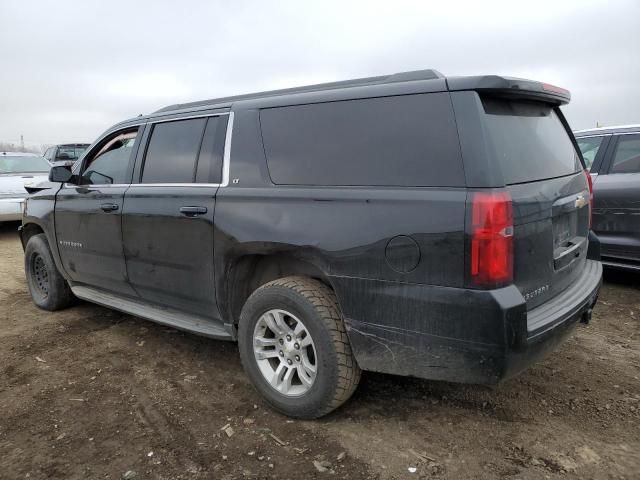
<point>168,214</point>
<point>617,202</point>
<point>529,151</point>
<point>88,215</point>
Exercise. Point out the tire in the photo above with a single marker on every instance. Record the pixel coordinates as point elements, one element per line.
<point>298,300</point>
<point>49,290</point>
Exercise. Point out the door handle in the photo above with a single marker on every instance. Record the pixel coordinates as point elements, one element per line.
<point>193,211</point>
<point>109,207</point>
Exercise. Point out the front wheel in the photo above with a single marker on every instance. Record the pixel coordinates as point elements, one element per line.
<point>294,347</point>
<point>49,290</point>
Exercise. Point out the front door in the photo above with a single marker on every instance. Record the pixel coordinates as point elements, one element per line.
<point>88,215</point>
<point>616,215</point>
<point>168,214</point>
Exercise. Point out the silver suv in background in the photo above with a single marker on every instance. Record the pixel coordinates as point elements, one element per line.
<point>613,156</point>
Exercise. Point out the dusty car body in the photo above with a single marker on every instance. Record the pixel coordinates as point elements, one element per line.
<point>411,224</point>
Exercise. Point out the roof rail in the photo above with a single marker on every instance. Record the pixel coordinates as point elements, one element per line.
<point>429,74</point>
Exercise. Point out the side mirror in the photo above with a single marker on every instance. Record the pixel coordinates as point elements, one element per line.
<point>61,174</point>
<point>63,156</point>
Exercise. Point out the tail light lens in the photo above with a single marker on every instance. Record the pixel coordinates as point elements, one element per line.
<point>491,239</point>
<point>590,183</point>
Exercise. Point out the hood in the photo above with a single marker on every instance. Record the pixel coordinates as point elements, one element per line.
<point>13,184</point>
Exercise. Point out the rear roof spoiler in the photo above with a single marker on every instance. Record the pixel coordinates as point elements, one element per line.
<point>509,87</point>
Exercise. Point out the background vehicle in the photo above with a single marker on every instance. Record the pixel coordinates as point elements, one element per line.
<point>613,155</point>
<point>410,224</point>
<point>65,153</point>
<point>17,170</point>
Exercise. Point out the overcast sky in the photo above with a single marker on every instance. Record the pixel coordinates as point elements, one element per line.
<point>70,69</point>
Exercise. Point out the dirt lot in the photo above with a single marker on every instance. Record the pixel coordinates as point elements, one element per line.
<point>92,393</point>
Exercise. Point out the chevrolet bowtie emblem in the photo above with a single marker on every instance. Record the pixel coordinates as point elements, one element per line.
<point>580,201</point>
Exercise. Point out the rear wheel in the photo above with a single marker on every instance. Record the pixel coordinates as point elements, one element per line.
<point>294,347</point>
<point>49,290</point>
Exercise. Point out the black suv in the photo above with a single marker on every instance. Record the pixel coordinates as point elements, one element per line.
<point>613,155</point>
<point>411,224</point>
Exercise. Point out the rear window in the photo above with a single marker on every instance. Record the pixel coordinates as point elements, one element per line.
<point>529,140</point>
<point>408,140</point>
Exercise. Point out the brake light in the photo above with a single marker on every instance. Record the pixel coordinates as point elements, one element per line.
<point>491,239</point>
<point>590,183</point>
<point>555,89</point>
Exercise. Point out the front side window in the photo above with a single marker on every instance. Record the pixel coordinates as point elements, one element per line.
<point>589,146</point>
<point>173,151</point>
<point>627,157</point>
<point>111,164</point>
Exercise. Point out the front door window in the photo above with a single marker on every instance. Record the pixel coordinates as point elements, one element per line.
<point>110,165</point>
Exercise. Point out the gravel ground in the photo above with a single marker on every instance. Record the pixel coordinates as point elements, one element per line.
<point>92,393</point>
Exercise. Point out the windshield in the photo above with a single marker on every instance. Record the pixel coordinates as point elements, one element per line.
<point>529,140</point>
<point>12,164</point>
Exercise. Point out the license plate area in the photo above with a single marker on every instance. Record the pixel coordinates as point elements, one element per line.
<point>568,244</point>
<point>565,228</point>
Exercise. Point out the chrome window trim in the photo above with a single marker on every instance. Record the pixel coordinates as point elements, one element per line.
<point>613,127</point>
<point>175,185</point>
<point>177,119</point>
<point>226,158</point>
<point>96,185</point>
<point>593,136</point>
<point>607,135</point>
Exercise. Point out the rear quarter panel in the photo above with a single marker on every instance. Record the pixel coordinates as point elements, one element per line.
<point>343,231</point>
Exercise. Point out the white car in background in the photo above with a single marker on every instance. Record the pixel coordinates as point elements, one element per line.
<point>18,170</point>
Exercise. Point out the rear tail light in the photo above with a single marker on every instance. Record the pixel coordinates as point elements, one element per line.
<point>590,183</point>
<point>491,239</point>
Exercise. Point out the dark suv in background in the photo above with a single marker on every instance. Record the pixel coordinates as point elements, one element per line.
<point>410,224</point>
<point>65,154</point>
<point>613,156</point>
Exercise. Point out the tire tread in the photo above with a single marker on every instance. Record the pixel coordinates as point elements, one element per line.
<point>326,304</point>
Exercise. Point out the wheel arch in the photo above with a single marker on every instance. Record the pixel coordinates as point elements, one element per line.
<point>249,272</point>
<point>29,230</point>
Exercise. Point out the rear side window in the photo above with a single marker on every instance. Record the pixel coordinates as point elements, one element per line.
<point>529,140</point>
<point>627,156</point>
<point>209,168</point>
<point>589,146</point>
<point>172,151</point>
<point>408,140</point>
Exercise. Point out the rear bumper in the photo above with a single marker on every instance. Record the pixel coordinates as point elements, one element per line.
<point>458,335</point>
<point>11,209</point>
